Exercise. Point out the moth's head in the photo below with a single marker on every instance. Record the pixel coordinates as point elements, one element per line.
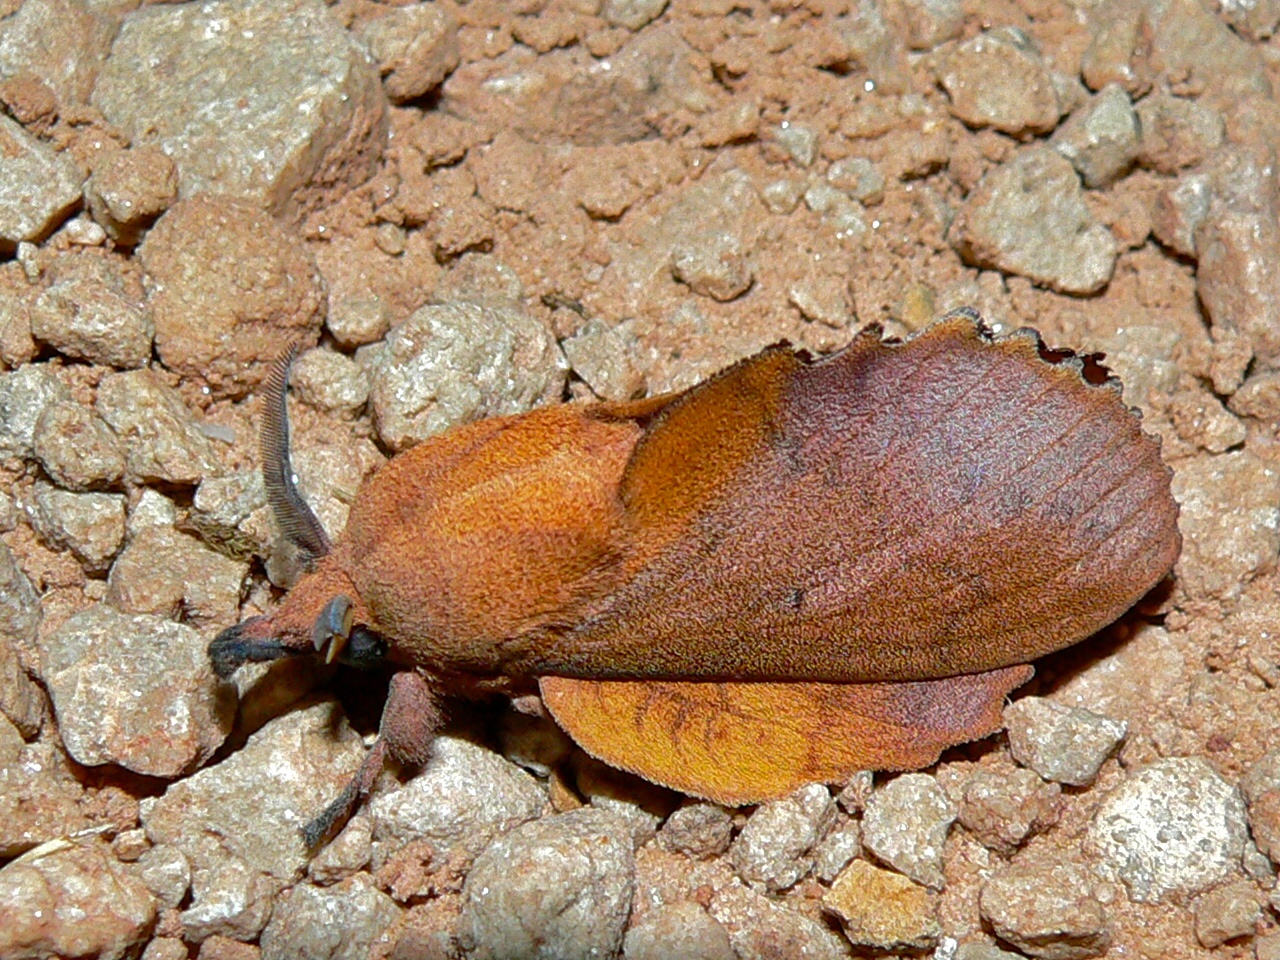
<point>322,613</point>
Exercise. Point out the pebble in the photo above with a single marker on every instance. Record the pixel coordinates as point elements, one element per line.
<point>90,525</point>
<point>40,797</point>
<point>1174,828</point>
<point>1202,421</point>
<point>229,289</point>
<point>76,448</point>
<point>74,901</point>
<point>677,931</point>
<point>602,357</point>
<point>89,317</point>
<point>1268,947</point>
<point>775,848</point>
<point>1227,913</point>
<point>415,48</point>
<point>1046,910</point>
<point>24,394</point>
<point>761,928</point>
<point>1101,138</point>
<point>883,910</point>
<point>341,922</point>
<point>1238,242</point>
<point>330,381</point>
<point>245,812</point>
<point>38,187</point>
<point>233,900</point>
<point>1261,789</point>
<point>161,437</point>
<point>355,321</point>
<point>1180,207</point>
<point>556,887</point>
<point>20,699</point>
<point>1230,522</point>
<point>465,794</point>
<point>1177,133</point>
<point>713,265</point>
<point>1003,806</point>
<point>905,825</point>
<point>700,830</point>
<point>859,177</point>
<point>453,363</point>
<point>1028,217</point>
<point>60,41</point>
<point>836,849</point>
<point>799,141</point>
<point>166,873</point>
<point>133,690</point>
<point>999,79</point>
<point>129,189</point>
<point>1258,396</point>
<point>16,344</point>
<point>1062,744</point>
<point>219,89</point>
<point>1256,20</point>
<point>173,575</point>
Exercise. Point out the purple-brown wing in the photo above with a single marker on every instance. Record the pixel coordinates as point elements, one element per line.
<point>947,505</point>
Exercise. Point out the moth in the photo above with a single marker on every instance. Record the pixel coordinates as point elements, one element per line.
<point>794,570</point>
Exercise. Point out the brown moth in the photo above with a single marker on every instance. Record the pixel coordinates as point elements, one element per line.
<point>794,570</point>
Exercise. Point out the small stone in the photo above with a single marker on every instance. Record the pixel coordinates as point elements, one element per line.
<point>173,575</point>
<point>836,849</point>
<point>632,14</point>
<point>713,265</point>
<point>1101,138</point>
<point>1028,217</point>
<point>90,525</point>
<point>346,854</point>
<point>38,187</point>
<point>858,177</point>
<point>1261,789</point>
<point>1177,133</point>
<point>166,873</point>
<point>999,79</point>
<point>76,447</point>
<point>760,928</point>
<point>837,208</point>
<point>1174,828</point>
<point>822,298</point>
<point>1046,910</point>
<point>883,910</point>
<point>355,321</point>
<point>1258,396</point>
<point>800,142</point>
<point>230,900</point>
<point>534,741</point>
<point>129,189</point>
<point>40,798</point>
<point>246,811</point>
<point>601,356</point>
<point>415,49</point>
<point>700,830</point>
<point>1238,241</point>
<point>677,931</point>
<point>464,795</point>
<point>984,951</point>
<point>1202,420</point>
<point>16,344</point>
<point>559,887</point>
<point>230,514</point>
<point>906,824</point>
<point>1004,806</point>
<point>1180,208</point>
<point>75,901</point>
<point>24,395</point>
<point>169,948</point>
<point>342,922</point>
<point>1226,913</point>
<point>330,381</point>
<point>1255,19</point>
<point>782,196</point>
<point>161,438</point>
<point>1230,522</point>
<point>774,849</point>
<point>229,289</point>
<point>1268,947</point>
<point>857,791</point>
<point>1062,744</point>
<point>134,690</point>
<point>457,362</point>
<point>89,316</point>
<point>270,103</point>
<point>20,700</point>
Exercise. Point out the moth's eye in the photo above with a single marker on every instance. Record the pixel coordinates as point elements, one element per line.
<point>364,649</point>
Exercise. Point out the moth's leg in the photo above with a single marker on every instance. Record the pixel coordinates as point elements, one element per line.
<point>410,720</point>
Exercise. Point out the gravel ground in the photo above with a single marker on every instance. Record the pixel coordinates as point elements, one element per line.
<point>461,210</point>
